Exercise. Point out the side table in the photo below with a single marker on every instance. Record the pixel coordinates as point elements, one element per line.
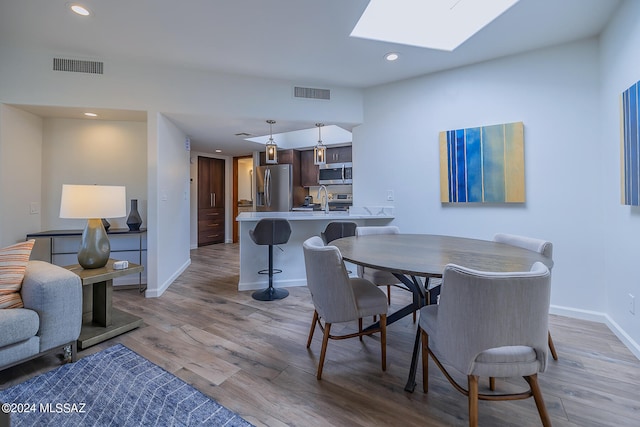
<point>100,321</point>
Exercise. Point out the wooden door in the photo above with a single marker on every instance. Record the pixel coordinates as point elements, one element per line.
<point>211,224</point>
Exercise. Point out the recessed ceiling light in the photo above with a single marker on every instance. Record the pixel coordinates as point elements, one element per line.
<point>391,56</point>
<point>433,24</point>
<point>80,10</point>
<point>91,114</point>
<point>218,151</point>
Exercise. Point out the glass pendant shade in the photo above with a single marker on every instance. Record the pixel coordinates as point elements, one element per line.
<point>320,150</point>
<point>271,149</point>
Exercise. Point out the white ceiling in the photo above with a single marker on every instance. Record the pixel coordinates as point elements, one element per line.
<point>297,40</point>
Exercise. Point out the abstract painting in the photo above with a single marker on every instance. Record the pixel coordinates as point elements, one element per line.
<point>630,150</point>
<point>483,164</point>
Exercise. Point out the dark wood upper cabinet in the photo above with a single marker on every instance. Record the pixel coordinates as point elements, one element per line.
<point>308,170</point>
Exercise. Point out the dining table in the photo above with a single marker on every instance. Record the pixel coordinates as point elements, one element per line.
<point>414,259</point>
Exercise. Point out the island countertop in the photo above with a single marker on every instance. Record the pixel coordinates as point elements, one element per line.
<point>365,213</point>
<point>290,259</point>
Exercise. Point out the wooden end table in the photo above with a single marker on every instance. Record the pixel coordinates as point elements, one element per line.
<point>100,321</point>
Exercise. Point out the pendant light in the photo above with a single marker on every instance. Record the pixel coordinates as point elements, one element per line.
<point>320,150</point>
<point>271,155</point>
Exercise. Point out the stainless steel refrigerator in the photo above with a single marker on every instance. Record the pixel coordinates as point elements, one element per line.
<point>274,188</point>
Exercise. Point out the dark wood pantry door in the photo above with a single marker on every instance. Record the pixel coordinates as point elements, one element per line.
<point>210,201</point>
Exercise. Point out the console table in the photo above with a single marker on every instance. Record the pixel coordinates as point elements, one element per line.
<point>100,321</point>
<point>60,247</point>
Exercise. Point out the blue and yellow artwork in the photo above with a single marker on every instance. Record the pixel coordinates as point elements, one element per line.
<point>483,164</point>
<point>630,151</point>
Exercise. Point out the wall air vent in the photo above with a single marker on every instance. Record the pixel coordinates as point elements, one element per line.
<point>77,66</point>
<point>311,93</point>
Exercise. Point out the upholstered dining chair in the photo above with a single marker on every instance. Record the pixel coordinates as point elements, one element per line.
<point>543,247</point>
<point>489,324</point>
<point>338,298</point>
<point>379,277</point>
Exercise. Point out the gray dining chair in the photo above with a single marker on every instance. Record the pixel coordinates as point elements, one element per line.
<point>380,277</point>
<point>543,247</point>
<point>337,298</point>
<point>489,324</point>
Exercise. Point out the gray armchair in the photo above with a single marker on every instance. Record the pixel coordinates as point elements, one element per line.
<point>338,298</point>
<point>543,247</point>
<point>492,325</point>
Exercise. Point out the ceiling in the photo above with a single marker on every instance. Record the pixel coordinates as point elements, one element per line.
<point>297,40</point>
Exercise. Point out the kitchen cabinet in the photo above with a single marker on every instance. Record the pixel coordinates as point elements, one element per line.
<point>285,157</point>
<point>339,154</point>
<point>211,224</point>
<point>308,170</point>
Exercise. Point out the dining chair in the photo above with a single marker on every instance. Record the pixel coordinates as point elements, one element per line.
<point>338,298</point>
<point>489,324</point>
<point>543,247</point>
<point>379,277</point>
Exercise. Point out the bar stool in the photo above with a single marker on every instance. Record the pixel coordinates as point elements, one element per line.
<point>271,231</point>
<point>338,229</point>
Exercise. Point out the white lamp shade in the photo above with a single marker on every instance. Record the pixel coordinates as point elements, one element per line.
<point>93,201</point>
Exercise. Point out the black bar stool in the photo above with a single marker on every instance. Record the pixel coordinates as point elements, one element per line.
<point>271,231</point>
<point>338,229</point>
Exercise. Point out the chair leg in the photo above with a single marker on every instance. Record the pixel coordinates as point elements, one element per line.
<point>323,352</point>
<point>360,327</point>
<point>492,383</point>
<point>383,340</point>
<point>473,400</point>
<point>552,348</point>
<point>389,294</point>
<point>425,362</point>
<point>537,396</point>
<point>313,327</point>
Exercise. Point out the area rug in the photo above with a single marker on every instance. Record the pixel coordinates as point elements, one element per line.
<point>115,387</point>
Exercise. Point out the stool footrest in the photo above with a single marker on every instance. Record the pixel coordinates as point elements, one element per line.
<point>266,271</point>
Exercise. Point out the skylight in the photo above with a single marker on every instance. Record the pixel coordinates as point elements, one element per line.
<point>433,24</point>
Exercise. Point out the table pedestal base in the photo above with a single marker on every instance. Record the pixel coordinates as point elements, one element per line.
<point>121,322</point>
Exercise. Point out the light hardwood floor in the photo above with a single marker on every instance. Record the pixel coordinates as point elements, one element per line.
<point>251,357</point>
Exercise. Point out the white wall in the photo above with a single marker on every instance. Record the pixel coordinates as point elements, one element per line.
<point>555,92</point>
<point>245,179</point>
<point>169,200</point>
<point>20,174</point>
<point>26,78</point>
<point>92,152</point>
<point>620,68</point>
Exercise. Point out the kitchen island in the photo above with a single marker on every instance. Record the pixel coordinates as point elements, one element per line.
<point>291,258</point>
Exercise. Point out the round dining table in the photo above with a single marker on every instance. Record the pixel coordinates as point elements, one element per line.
<point>413,256</point>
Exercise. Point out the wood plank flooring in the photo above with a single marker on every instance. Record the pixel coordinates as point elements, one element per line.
<point>251,357</point>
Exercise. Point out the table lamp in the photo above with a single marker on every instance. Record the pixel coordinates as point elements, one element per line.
<point>93,202</point>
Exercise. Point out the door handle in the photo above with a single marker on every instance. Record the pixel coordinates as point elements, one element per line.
<point>210,200</point>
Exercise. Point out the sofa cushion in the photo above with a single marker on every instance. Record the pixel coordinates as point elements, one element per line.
<point>18,325</point>
<point>13,263</point>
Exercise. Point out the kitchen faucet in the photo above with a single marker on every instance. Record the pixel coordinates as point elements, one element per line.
<point>326,198</point>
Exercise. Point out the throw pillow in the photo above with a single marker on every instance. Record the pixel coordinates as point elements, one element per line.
<point>13,264</point>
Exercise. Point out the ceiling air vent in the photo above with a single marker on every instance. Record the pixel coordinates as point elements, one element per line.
<point>311,93</point>
<point>77,66</point>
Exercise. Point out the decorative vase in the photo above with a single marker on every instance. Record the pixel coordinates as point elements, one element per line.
<point>134,220</point>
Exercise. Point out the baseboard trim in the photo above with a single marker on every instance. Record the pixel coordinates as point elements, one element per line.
<point>154,293</point>
<point>596,316</point>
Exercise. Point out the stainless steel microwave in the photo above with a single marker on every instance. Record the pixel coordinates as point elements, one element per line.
<point>335,173</point>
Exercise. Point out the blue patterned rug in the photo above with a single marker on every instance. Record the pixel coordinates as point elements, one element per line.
<point>114,387</point>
